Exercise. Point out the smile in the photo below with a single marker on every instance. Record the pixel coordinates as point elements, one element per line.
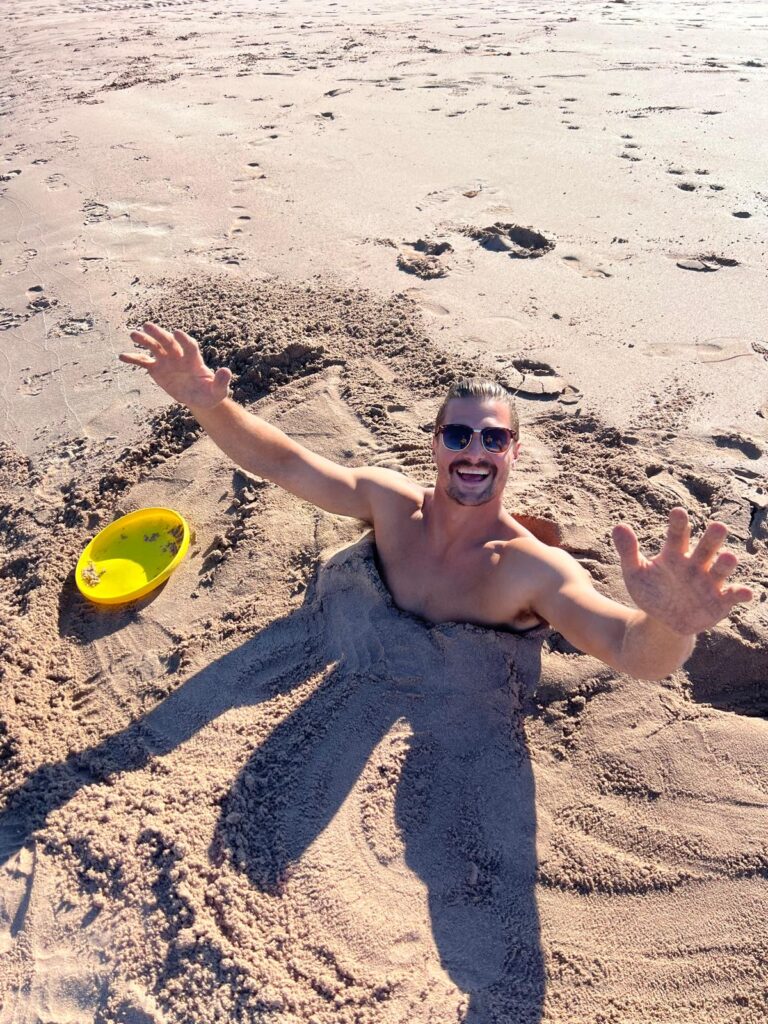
<point>473,476</point>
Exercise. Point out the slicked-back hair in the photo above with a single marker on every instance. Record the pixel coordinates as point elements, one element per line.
<point>483,391</point>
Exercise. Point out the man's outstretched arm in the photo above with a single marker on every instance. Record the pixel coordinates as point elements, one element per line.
<point>678,594</point>
<point>174,362</point>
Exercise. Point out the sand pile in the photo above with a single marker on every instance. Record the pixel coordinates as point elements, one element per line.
<point>268,794</point>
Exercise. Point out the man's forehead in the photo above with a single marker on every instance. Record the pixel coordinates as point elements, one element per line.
<point>483,411</point>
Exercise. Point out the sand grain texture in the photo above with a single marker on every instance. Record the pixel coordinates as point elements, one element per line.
<point>263,793</point>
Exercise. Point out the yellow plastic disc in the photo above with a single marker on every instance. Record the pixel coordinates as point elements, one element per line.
<point>132,556</point>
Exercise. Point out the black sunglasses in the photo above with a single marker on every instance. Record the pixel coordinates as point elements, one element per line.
<point>458,436</point>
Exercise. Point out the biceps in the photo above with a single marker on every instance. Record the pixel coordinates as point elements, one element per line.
<point>588,620</point>
<point>328,485</point>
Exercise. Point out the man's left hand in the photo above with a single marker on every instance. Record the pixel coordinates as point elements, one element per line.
<point>683,589</point>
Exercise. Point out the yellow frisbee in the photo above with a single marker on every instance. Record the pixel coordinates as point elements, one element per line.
<point>132,556</point>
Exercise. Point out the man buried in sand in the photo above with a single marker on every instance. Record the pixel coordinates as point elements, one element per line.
<point>452,553</point>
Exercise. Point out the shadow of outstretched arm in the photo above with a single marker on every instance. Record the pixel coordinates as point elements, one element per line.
<point>266,665</point>
<point>297,779</point>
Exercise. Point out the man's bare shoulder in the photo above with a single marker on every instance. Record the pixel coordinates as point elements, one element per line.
<point>386,486</point>
<point>542,562</point>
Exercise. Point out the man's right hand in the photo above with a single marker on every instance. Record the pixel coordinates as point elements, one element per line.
<point>176,365</point>
<point>174,362</point>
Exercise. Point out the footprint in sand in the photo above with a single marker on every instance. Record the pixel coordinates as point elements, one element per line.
<point>717,349</point>
<point>684,491</point>
<point>422,258</point>
<point>85,260</point>
<point>456,193</point>
<point>38,302</point>
<point>253,173</point>
<point>706,263</point>
<point>76,325</point>
<point>9,319</point>
<point>237,227</point>
<point>56,182</point>
<point>33,384</point>
<point>421,300</point>
<point>742,214</point>
<point>95,212</point>
<point>539,381</point>
<point>516,241</point>
<point>225,254</point>
<point>738,443</point>
<point>23,259</point>
<point>574,262</point>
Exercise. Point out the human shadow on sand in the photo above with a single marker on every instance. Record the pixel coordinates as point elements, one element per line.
<point>465,798</point>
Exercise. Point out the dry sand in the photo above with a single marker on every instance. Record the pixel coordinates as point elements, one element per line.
<point>264,793</point>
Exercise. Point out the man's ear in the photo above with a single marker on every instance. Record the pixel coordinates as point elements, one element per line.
<point>516,449</point>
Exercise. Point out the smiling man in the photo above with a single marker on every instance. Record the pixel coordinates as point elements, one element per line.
<point>451,552</point>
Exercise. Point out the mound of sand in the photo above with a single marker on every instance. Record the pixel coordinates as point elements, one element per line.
<point>264,793</point>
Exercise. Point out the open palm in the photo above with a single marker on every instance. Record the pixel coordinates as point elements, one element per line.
<point>176,365</point>
<point>684,589</point>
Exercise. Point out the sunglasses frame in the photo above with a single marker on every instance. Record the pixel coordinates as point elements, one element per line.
<point>481,430</point>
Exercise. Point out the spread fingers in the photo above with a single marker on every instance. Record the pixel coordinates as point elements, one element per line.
<point>710,542</point>
<point>737,595</point>
<point>188,344</point>
<point>137,360</point>
<point>166,340</point>
<point>144,341</point>
<point>678,531</point>
<point>724,565</point>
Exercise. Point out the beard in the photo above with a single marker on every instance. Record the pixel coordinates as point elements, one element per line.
<point>474,495</point>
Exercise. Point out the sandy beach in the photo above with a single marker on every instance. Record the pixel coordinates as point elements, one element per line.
<point>263,793</point>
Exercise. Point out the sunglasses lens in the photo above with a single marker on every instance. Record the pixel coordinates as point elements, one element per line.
<point>496,439</point>
<point>456,436</point>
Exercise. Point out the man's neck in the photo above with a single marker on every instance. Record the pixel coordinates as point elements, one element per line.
<point>450,523</point>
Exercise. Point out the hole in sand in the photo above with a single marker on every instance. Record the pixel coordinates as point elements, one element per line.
<point>533,366</point>
<point>518,242</point>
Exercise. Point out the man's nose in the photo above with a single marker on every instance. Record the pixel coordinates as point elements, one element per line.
<point>475,447</point>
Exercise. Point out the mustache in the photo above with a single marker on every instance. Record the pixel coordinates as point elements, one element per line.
<point>469,466</point>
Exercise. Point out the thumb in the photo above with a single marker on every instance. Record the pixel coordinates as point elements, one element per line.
<point>221,380</point>
<point>625,542</point>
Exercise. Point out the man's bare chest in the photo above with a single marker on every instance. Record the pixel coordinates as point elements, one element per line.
<point>470,586</point>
